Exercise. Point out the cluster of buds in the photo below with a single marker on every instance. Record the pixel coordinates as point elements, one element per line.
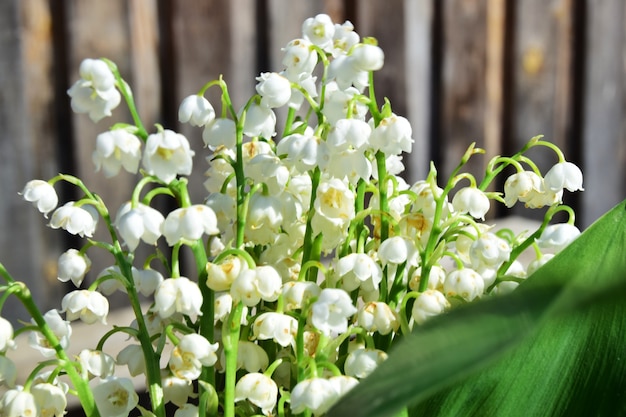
<point>313,253</point>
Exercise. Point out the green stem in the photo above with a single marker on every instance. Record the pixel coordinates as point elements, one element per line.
<point>230,340</point>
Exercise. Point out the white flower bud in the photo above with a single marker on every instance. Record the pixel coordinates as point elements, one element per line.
<point>315,394</point>
<point>489,251</point>
<point>220,132</point>
<point>362,362</point>
<point>367,57</point>
<point>299,57</point>
<point>177,295</point>
<point>564,175</point>
<point>471,200</point>
<point>275,326</point>
<point>6,335</point>
<point>61,329</point>
<point>116,149</point>
<point>132,356</point>
<point>190,355</point>
<point>189,224</point>
<point>259,389</point>
<point>428,304</point>
<point>42,195</point>
<point>558,236</point>
<point>76,220</point>
<point>115,396</point>
<point>378,317</point>
<point>139,223</point>
<point>260,122</point>
<point>196,110</point>
<point>274,89</point>
<point>95,92</point>
<point>96,363</point>
<point>331,311</point>
<point>538,263</point>
<point>73,266</point>
<point>436,277</point>
<point>88,306</point>
<point>465,283</point>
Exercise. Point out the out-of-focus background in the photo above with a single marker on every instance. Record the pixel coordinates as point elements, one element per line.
<point>494,72</point>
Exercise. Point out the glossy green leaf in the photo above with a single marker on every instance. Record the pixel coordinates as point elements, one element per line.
<point>554,347</point>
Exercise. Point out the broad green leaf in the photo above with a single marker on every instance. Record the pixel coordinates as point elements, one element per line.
<point>555,346</point>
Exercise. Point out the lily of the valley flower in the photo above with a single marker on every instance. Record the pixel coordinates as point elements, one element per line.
<point>362,362</point>
<point>77,220</point>
<point>558,236</point>
<point>132,356</point>
<point>115,397</point>
<point>275,326</point>
<point>253,285</point>
<point>260,121</point>
<point>331,311</point>
<point>6,335</point>
<point>564,175</point>
<point>196,110</point>
<point>320,31</point>
<point>95,363</point>
<point>167,154</point>
<point>428,304</point>
<point>274,89</point>
<point>465,283</point>
<point>177,390</point>
<point>61,329</point>
<point>377,316</point>
<point>88,306</point>
<point>392,136</point>
<point>189,224</point>
<point>117,149</point>
<point>50,399</point>
<point>42,195</point>
<point>95,92</point>
<point>299,57</point>
<point>187,410</point>
<point>73,266</point>
<point>139,223</point>
<point>189,356</point>
<point>259,389</point>
<point>177,295</point>
<point>471,200</point>
<point>18,403</point>
<point>315,394</point>
<point>359,270</point>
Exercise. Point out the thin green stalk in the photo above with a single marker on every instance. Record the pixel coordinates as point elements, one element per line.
<point>230,341</point>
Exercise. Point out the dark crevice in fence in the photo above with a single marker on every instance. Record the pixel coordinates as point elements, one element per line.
<point>168,71</point>
<point>262,36</point>
<point>350,11</point>
<point>64,131</point>
<point>436,66</point>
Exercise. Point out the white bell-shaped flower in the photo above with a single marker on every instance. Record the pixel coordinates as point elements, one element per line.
<point>304,80</point>
<point>320,31</point>
<point>187,410</point>
<point>349,133</point>
<point>392,136</point>
<point>564,175</point>
<point>146,280</point>
<point>331,311</point>
<point>96,363</point>
<point>367,57</point>
<point>358,270</point>
<point>264,218</point>
<point>436,277</point>
<point>61,329</point>
<point>188,224</point>
<point>220,276</point>
<point>377,316</point>
<point>338,101</point>
<point>8,372</point>
<point>251,357</point>
<point>259,389</point>
<point>275,326</point>
<point>465,283</point>
<point>196,110</point>
<point>132,356</point>
<point>220,132</point>
<point>296,294</point>
<point>397,250</point>
<point>6,335</point>
<point>362,361</point>
<point>425,201</point>
<point>349,164</point>
<point>95,92</point>
<point>88,306</point>
<point>50,399</point>
<point>189,356</point>
<point>77,220</point>
<point>471,200</point>
<point>299,57</point>
<point>18,403</point>
<point>345,38</point>
<point>115,397</point>
<point>42,195</point>
<point>271,170</point>
<point>529,188</point>
<point>428,304</point>
<point>335,201</point>
<point>177,295</point>
<point>139,223</point>
<point>117,149</point>
<point>253,285</point>
<point>177,390</point>
<point>557,236</point>
<point>314,394</point>
<point>538,263</point>
<point>260,122</point>
<point>489,251</point>
<point>274,89</point>
<point>343,71</point>
<point>302,152</point>
<point>73,266</point>
<point>167,154</point>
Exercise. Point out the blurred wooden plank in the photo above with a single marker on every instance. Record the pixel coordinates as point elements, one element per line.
<point>463,90</point>
<point>494,77</point>
<point>604,135</point>
<point>418,29</point>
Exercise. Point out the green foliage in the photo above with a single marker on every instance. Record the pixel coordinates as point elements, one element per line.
<point>554,347</point>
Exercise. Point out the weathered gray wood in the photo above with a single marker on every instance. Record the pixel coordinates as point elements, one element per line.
<point>603,133</point>
<point>418,27</point>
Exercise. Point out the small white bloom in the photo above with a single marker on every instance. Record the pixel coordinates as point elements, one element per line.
<point>425,201</point>
<point>558,236</point>
<point>220,276</point>
<point>564,175</point>
<point>177,295</point>
<point>260,122</point>
<point>225,209</point>
<point>139,223</point>
<point>362,362</point>
<point>177,390</point>
<point>396,250</point>
<point>115,397</point>
<point>296,294</point>
<point>275,326</point>
<point>96,363</point>
<point>392,136</point>
<point>471,200</point>
<point>132,356</point>
<point>428,304</point>
<point>42,195</point>
<point>146,280</point>
<point>251,357</point>
<point>465,283</point>
<point>489,251</point>
<point>95,92</point>
<point>345,38</point>
<point>349,164</point>
<point>315,394</point>
<point>335,201</point>
<point>304,80</point>
<point>338,101</point>
<point>259,389</point>
<point>367,57</point>
<point>61,329</point>
<point>436,277</point>
<point>18,403</point>
<point>88,306</point>
<point>50,399</point>
<point>349,133</point>
<point>331,311</point>
<point>77,220</point>
<point>269,169</point>
<point>167,154</point>
<point>538,263</point>
<point>117,149</point>
<point>196,110</point>
<point>223,306</point>
<point>8,372</point>
<point>302,152</point>
<point>343,71</point>
<point>114,281</point>
<point>320,31</point>
<point>358,270</point>
<point>264,218</point>
<point>377,316</point>
<point>6,335</point>
<point>274,89</point>
<point>190,355</point>
<point>73,266</point>
<point>299,57</point>
<point>220,133</point>
<point>528,187</point>
<point>253,285</point>
<point>189,224</point>
<point>187,410</point>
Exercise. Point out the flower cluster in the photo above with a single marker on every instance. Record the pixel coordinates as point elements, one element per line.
<point>313,253</point>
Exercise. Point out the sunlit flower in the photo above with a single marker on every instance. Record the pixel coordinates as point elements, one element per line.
<point>139,223</point>
<point>260,121</point>
<point>61,329</point>
<point>377,316</point>
<point>557,236</point>
<point>177,295</point>
<point>465,283</point>
<point>221,276</point>
<point>88,306</point>
<point>320,30</point>
<point>196,110</point>
<point>358,270</point>
<point>42,195</point>
<point>50,399</point>
<point>18,403</point>
<point>96,363</point>
<point>6,335</point>
<point>274,89</point>
<point>220,132</point>
<point>367,57</point>
<point>392,135</point>
<point>361,362</point>
<point>73,266</point>
<point>259,389</point>
<point>189,224</point>
<point>187,410</point>
<point>275,326</point>
<point>428,304</point>
<point>331,311</point>
<point>253,285</point>
<point>177,390</point>
<point>115,397</point>
<point>77,220</point>
<point>315,394</point>
<point>189,356</point>
<point>166,155</point>
<point>299,57</point>
<point>564,175</point>
<point>95,92</point>
<point>264,218</point>
<point>117,149</point>
<point>471,200</point>
<point>132,356</point>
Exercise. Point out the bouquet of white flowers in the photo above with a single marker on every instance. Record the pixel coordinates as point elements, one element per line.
<point>314,256</point>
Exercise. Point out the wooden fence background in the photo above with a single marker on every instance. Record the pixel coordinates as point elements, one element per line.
<point>492,71</point>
